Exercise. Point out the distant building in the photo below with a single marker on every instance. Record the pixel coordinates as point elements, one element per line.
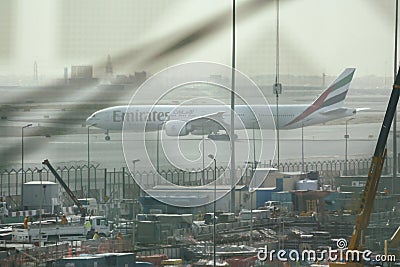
<point>81,72</point>
<point>123,79</point>
<point>140,77</point>
<point>109,67</point>
<point>137,79</point>
<point>65,75</point>
<point>81,75</point>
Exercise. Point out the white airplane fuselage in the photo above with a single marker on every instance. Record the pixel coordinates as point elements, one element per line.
<point>150,117</point>
<point>206,119</point>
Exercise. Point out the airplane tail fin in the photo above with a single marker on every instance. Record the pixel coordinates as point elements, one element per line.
<point>330,99</point>
<point>335,94</point>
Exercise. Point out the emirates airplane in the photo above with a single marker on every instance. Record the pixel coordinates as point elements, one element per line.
<point>211,119</point>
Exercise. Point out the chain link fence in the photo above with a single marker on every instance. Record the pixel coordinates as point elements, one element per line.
<point>103,183</point>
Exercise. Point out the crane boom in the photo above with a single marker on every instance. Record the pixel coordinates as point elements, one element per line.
<point>65,186</point>
<point>371,186</point>
<point>374,174</point>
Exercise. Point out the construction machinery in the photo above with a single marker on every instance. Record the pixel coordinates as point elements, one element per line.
<point>67,189</point>
<point>357,239</point>
<point>44,231</point>
<point>50,230</point>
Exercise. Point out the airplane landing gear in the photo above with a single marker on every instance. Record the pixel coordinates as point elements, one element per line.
<point>107,136</point>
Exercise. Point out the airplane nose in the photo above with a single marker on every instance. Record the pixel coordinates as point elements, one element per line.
<point>90,120</point>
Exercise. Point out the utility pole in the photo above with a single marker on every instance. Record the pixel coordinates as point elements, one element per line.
<point>277,88</point>
<point>232,129</point>
<point>394,171</point>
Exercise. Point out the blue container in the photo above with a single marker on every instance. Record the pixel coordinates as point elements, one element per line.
<point>263,195</point>
<point>284,196</point>
<point>143,264</point>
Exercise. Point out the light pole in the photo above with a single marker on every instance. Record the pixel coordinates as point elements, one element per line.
<point>254,148</point>
<point>232,119</point>
<point>302,146</point>
<point>133,172</point>
<point>134,165</point>
<point>23,177</point>
<point>277,87</point>
<point>22,149</point>
<point>253,171</point>
<point>277,91</point>
<point>346,137</point>
<point>88,157</point>
<point>254,162</point>
<point>394,167</point>
<point>134,221</point>
<point>158,145</point>
<point>251,190</point>
<point>202,155</point>
<point>251,216</point>
<point>211,156</point>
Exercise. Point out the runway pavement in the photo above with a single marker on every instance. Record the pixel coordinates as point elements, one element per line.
<point>320,143</point>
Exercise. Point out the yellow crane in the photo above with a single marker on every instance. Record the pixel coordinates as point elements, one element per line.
<point>357,239</point>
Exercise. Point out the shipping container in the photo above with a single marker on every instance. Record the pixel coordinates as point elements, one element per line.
<point>148,232</point>
<point>284,196</point>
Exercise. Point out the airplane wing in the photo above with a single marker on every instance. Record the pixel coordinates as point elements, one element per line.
<point>362,109</point>
<point>338,111</point>
<point>334,111</point>
<point>216,116</point>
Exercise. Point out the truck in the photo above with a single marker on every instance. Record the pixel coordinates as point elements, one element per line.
<point>52,230</point>
<point>89,204</point>
<point>271,205</point>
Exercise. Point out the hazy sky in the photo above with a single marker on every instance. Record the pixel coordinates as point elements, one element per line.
<point>316,36</point>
